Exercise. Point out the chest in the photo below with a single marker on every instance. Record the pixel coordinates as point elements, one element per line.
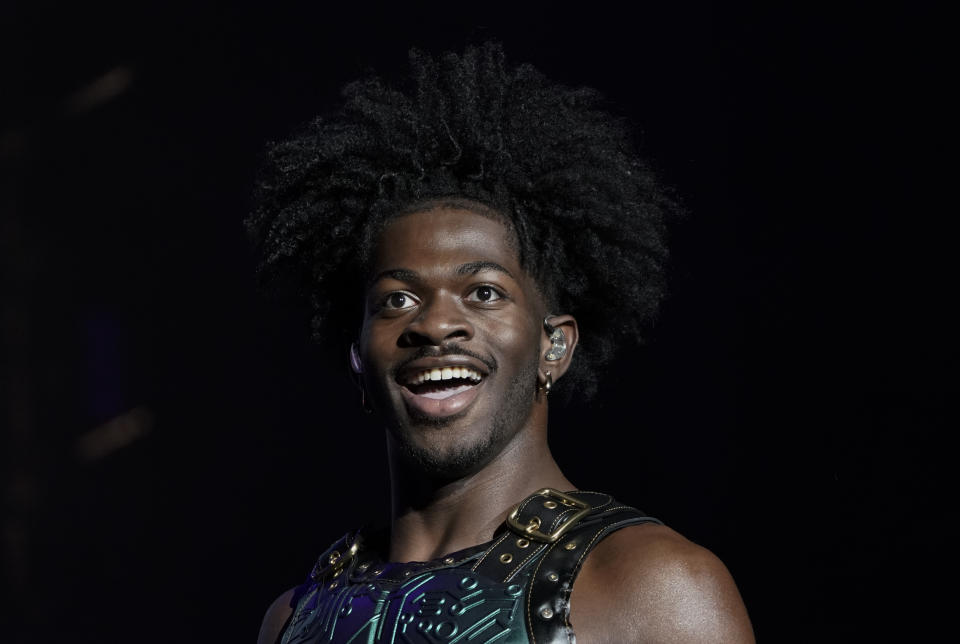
<point>447,605</point>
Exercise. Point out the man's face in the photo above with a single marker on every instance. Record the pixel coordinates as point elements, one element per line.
<point>450,341</point>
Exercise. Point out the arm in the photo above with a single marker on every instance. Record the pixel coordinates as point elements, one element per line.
<point>649,584</point>
<point>275,619</point>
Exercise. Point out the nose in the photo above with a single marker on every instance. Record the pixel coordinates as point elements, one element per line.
<point>440,320</point>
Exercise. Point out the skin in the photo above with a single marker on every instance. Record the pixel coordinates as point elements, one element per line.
<point>454,479</point>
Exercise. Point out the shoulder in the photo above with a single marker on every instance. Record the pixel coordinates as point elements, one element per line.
<point>649,583</point>
<point>276,618</point>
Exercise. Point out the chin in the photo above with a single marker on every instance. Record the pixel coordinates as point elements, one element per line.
<point>437,450</point>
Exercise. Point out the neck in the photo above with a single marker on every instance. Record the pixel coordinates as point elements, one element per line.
<point>432,518</point>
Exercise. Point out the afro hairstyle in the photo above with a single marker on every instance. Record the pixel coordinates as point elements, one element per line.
<point>587,211</point>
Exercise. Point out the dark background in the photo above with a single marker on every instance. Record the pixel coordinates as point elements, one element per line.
<point>175,453</point>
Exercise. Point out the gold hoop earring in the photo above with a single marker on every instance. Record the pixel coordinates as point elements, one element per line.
<point>547,384</point>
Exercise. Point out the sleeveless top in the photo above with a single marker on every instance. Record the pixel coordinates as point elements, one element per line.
<point>512,590</point>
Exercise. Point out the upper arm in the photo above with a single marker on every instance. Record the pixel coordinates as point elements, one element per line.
<point>275,619</point>
<point>647,583</point>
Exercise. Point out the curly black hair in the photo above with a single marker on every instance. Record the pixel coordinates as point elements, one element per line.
<point>587,212</point>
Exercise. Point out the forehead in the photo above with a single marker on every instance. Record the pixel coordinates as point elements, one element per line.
<point>440,237</point>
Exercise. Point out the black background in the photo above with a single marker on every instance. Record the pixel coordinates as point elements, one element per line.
<point>788,413</point>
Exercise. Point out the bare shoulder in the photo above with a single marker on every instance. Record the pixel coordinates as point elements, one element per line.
<point>647,583</point>
<point>275,619</point>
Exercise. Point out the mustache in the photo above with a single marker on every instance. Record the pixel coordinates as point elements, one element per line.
<point>451,350</point>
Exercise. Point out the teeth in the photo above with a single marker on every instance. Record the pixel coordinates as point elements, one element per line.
<point>446,373</point>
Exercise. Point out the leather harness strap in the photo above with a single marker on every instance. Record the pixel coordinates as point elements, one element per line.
<point>567,526</point>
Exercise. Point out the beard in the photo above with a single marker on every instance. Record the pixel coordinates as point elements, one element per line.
<point>480,446</point>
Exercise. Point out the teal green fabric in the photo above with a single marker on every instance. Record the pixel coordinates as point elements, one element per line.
<point>447,604</point>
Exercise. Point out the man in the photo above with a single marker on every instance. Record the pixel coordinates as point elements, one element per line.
<point>457,235</point>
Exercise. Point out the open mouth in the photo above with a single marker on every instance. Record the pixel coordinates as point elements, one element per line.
<point>441,391</point>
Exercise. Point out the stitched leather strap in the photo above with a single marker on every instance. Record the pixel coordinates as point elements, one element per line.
<point>556,564</point>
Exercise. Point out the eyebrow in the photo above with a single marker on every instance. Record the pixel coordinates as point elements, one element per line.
<point>470,268</point>
<point>399,274</point>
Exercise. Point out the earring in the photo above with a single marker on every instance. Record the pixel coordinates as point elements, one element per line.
<point>558,342</point>
<point>547,384</point>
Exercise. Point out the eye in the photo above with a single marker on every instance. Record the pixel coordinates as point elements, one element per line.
<point>485,294</point>
<point>399,301</point>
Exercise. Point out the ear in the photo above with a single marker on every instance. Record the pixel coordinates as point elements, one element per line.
<point>553,358</point>
<point>356,365</point>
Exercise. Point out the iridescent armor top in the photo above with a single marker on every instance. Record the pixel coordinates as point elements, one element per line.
<point>512,590</point>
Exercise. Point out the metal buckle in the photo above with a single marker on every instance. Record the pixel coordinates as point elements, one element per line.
<point>333,561</point>
<point>532,529</point>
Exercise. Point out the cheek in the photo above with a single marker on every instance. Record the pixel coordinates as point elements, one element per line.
<point>517,337</point>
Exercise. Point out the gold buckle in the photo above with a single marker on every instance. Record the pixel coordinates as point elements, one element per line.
<point>532,529</point>
<point>333,561</point>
